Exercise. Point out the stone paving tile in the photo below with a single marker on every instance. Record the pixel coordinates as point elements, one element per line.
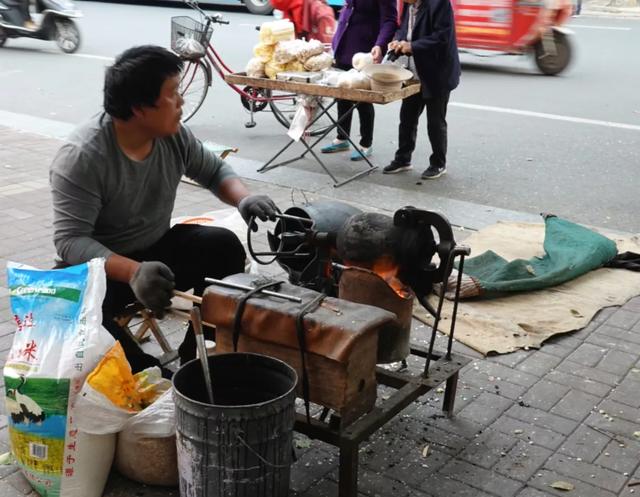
<point>620,455</point>
<point>585,443</point>
<point>539,364</point>
<point>613,427</point>
<point>487,449</point>
<point>311,467</point>
<point>587,355</point>
<point>575,405</point>
<point>543,419</point>
<point>592,374</point>
<point>545,394</point>
<point>414,468</point>
<point>522,461</point>
<point>614,344</point>
<point>486,480</point>
<point>444,486</point>
<point>616,362</point>
<point>544,478</point>
<point>618,410</point>
<point>619,333</point>
<point>589,473</point>
<point>485,409</point>
<point>532,492</point>
<point>528,432</point>
<point>623,319</point>
<point>627,391</point>
<point>377,485</point>
<point>323,489</point>
<point>579,383</point>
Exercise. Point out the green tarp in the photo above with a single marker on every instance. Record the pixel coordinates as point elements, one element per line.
<point>571,250</point>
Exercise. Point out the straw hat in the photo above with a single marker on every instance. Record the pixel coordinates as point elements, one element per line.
<point>385,77</point>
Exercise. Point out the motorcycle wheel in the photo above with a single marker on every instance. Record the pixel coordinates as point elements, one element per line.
<point>67,35</point>
<point>554,64</point>
<point>3,37</point>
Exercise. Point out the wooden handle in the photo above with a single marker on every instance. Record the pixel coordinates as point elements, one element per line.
<point>187,296</point>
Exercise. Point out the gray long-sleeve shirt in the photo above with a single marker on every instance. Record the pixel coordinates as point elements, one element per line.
<point>104,202</point>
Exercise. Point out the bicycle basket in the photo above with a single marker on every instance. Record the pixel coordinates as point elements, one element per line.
<point>189,38</point>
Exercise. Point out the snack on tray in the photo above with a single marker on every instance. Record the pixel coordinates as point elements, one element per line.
<point>287,51</point>
<point>272,68</point>
<point>294,66</point>
<point>319,62</point>
<point>355,80</point>
<point>263,52</point>
<point>361,59</point>
<point>275,31</point>
<point>310,48</point>
<point>255,68</point>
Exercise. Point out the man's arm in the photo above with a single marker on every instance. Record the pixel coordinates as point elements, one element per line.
<point>443,30</point>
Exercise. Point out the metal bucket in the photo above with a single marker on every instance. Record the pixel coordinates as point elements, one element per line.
<point>241,445</point>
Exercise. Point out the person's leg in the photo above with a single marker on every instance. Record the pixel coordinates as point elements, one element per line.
<point>340,144</point>
<point>367,115</point>
<point>410,112</point>
<point>194,253</point>
<point>437,131</point>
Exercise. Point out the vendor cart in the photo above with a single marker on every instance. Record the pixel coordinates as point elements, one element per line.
<point>324,105</point>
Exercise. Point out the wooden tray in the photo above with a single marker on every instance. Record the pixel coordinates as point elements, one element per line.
<point>374,97</point>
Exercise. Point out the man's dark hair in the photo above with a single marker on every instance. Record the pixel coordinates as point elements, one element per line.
<point>136,77</point>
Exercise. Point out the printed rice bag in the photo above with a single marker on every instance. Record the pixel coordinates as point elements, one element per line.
<point>59,339</point>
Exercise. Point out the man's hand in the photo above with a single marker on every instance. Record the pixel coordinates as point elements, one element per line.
<point>400,47</point>
<point>376,53</point>
<point>153,284</point>
<point>260,206</point>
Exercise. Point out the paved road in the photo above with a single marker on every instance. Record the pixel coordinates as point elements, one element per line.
<point>518,140</point>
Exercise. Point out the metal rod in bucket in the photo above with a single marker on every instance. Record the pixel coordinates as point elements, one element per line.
<point>202,351</point>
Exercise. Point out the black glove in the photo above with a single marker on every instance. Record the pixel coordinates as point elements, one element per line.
<point>259,206</point>
<point>153,284</point>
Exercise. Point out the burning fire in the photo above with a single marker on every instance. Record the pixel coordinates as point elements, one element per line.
<point>386,268</point>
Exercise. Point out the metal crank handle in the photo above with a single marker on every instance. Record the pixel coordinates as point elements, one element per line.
<point>271,293</point>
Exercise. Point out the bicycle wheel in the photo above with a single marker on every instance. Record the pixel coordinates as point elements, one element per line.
<point>195,81</point>
<point>284,108</point>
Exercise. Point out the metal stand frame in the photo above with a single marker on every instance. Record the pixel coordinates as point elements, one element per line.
<point>439,368</point>
<point>309,147</point>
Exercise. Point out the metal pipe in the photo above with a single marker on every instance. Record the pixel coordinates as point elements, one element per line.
<point>236,286</point>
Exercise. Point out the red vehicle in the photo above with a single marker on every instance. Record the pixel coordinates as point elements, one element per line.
<point>517,27</point>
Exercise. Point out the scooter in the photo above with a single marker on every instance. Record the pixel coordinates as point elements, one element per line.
<point>55,23</point>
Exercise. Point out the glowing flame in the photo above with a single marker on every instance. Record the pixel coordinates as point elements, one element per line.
<point>388,271</point>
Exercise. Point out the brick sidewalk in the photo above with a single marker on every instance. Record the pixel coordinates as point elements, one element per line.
<point>523,420</point>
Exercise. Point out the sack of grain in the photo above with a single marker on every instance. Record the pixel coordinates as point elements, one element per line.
<point>147,445</point>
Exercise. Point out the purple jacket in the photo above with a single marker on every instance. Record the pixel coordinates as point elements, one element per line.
<point>364,24</point>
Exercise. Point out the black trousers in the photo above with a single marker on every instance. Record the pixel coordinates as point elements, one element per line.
<point>193,253</point>
<point>410,113</point>
<point>366,114</point>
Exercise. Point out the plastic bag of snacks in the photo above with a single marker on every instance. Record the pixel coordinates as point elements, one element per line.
<point>263,52</point>
<point>255,68</point>
<point>287,51</point>
<point>361,59</point>
<point>319,62</point>
<point>272,68</point>
<point>275,31</point>
<point>294,66</point>
<point>309,49</point>
<point>58,341</point>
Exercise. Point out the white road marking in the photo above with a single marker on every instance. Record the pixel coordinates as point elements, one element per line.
<point>584,26</point>
<point>543,115</point>
<point>89,56</point>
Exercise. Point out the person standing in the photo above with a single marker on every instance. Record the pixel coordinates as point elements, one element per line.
<point>427,37</point>
<point>364,26</point>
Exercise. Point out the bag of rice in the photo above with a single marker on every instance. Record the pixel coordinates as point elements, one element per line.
<point>309,49</point>
<point>255,68</point>
<point>59,339</point>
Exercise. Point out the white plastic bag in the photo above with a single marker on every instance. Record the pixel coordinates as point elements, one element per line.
<point>305,112</point>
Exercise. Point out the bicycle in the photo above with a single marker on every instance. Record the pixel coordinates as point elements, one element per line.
<point>191,40</point>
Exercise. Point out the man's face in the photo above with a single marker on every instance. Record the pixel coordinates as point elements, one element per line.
<point>163,119</point>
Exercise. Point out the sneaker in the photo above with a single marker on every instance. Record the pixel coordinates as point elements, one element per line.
<point>365,151</point>
<point>335,146</point>
<point>396,167</point>
<point>433,172</point>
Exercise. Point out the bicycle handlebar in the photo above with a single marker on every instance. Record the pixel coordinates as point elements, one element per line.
<point>217,18</point>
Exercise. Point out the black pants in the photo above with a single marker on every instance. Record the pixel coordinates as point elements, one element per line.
<point>366,114</point>
<point>410,113</point>
<point>193,253</point>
